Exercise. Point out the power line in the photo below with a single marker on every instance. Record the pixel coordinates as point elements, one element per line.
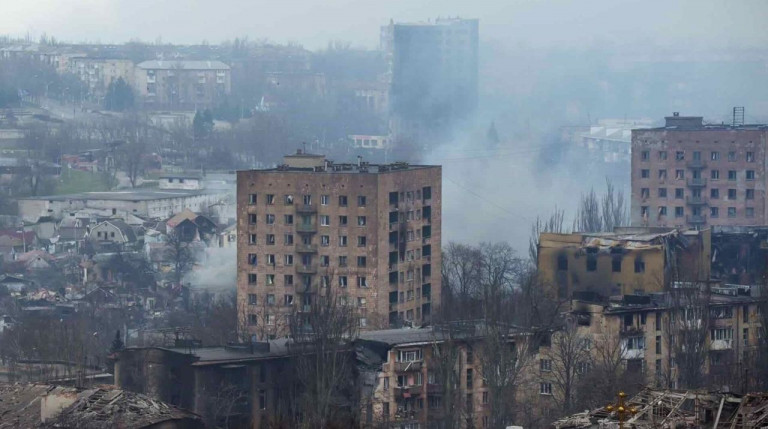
<point>480,197</point>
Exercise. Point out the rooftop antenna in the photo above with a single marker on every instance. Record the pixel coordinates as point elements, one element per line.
<point>738,116</point>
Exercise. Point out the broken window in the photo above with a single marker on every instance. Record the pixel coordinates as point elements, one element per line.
<point>251,238</point>
<point>645,155</point>
<point>288,219</point>
<point>288,300</point>
<point>591,262</point>
<point>645,193</point>
<point>679,212</point>
<point>750,194</point>
<point>616,264</point>
<point>644,211</point>
<point>252,259</point>
<point>324,200</point>
<point>662,211</point>
<point>252,218</point>
<point>750,157</point>
<point>662,155</point>
<point>288,280</point>
<point>679,193</point>
<point>750,174</point>
<point>253,299</point>
<point>342,241</point>
<point>714,212</point>
<point>271,260</point>
<point>562,262</point>
<point>342,221</point>
<point>342,200</point>
<point>715,174</point>
<point>252,278</point>
<point>662,192</point>
<point>361,241</point>
<point>679,155</point>
<point>639,265</point>
<point>645,173</point>
<point>361,201</point>
<point>361,221</point>
<point>732,156</point>
<point>731,194</point>
<point>426,193</point>
<point>714,193</point>
<point>270,199</point>
<point>731,211</point>
<point>749,212</point>
<point>342,261</point>
<point>342,281</point>
<point>252,199</point>
<point>288,199</point>
<point>270,239</point>
<point>715,156</point>
<point>662,174</point>
<point>680,174</point>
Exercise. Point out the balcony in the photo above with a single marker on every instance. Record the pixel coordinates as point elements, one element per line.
<point>696,219</point>
<point>303,227</point>
<point>425,240</point>
<point>631,331</point>
<point>696,182</point>
<point>306,269</point>
<point>407,391</point>
<point>306,248</point>
<point>633,354</point>
<point>408,366</point>
<point>435,388</point>
<point>696,201</point>
<point>696,164</point>
<point>306,208</point>
<point>721,344</point>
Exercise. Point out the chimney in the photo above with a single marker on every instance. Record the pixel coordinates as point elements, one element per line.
<point>359,161</point>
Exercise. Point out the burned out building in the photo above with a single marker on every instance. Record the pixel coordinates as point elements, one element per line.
<point>370,232</point>
<point>626,261</point>
<point>692,174</point>
<point>238,384</point>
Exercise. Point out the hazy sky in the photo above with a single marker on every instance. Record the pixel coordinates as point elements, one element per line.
<point>313,23</point>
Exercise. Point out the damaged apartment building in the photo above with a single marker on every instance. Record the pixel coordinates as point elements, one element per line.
<point>626,261</point>
<point>636,286</point>
<point>401,378</point>
<point>370,232</point>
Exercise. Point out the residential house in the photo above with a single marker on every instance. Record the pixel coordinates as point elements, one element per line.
<point>113,234</point>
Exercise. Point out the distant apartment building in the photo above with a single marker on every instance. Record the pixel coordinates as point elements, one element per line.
<point>98,73</point>
<point>364,141</point>
<point>370,232</point>
<point>611,139</point>
<point>433,74</point>
<point>181,84</point>
<point>692,174</point>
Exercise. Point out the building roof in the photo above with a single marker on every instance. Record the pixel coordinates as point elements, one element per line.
<point>126,195</point>
<point>182,65</point>
<point>229,354</point>
<point>124,228</point>
<point>349,168</point>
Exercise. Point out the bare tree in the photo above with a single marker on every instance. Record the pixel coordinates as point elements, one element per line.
<point>180,254</point>
<point>460,271</point>
<point>588,216</point>
<point>447,372</point>
<point>568,355</point>
<point>614,207</point>
<point>688,329</point>
<point>555,223</point>
<point>323,360</point>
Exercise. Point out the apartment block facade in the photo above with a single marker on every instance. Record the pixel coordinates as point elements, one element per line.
<point>688,174</point>
<point>369,232</point>
<point>181,84</point>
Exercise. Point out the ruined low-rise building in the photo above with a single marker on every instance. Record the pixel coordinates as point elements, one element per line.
<point>43,405</point>
<point>626,261</point>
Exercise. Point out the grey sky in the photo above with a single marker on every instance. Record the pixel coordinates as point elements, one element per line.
<point>695,23</point>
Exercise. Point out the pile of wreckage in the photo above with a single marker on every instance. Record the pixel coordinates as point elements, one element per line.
<point>42,405</point>
<point>678,409</point>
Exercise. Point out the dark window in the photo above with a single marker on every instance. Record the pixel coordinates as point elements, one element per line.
<point>342,200</point>
<point>639,266</point>
<point>562,262</point>
<point>616,264</point>
<point>426,192</point>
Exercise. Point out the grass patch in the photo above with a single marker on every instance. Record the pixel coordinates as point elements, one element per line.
<point>74,181</point>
